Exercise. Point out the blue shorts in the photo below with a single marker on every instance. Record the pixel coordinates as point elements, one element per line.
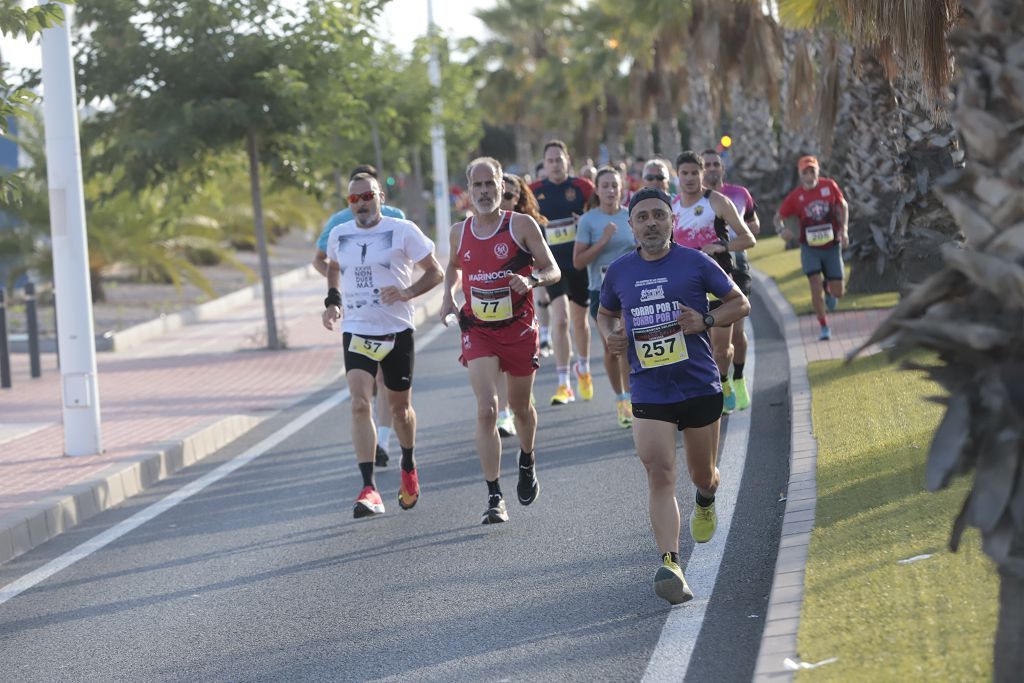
<point>825,260</point>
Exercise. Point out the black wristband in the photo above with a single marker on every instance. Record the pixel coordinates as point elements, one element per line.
<point>333,298</point>
<point>534,281</point>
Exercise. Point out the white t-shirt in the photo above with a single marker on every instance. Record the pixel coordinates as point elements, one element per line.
<point>373,258</point>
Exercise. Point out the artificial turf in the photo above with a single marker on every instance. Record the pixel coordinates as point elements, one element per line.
<point>771,257</point>
<point>931,619</point>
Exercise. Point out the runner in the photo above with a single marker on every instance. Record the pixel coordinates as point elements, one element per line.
<point>562,199</point>
<point>383,412</point>
<point>496,251</point>
<point>603,236</point>
<point>714,176</point>
<point>707,220</point>
<point>660,290</point>
<point>371,261</point>
<point>820,211</point>
<point>656,174</point>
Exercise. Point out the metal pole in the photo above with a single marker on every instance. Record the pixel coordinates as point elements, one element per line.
<point>32,321</point>
<point>5,349</point>
<point>76,341</point>
<point>442,212</point>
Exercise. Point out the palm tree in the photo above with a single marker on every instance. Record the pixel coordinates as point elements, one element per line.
<point>969,312</point>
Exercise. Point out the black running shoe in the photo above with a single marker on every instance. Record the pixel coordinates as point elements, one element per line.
<point>381,459</point>
<point>528,487</point>
<point>495,512</point>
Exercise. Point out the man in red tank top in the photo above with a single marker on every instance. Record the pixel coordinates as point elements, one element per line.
<point>501,256</point>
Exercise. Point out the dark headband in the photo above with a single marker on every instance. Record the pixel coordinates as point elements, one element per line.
<point>648,193</point>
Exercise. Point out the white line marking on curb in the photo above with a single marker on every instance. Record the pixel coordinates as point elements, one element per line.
<point>671,657</point>
<point>100,541</point>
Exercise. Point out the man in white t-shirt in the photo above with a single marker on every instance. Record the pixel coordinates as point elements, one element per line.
<point>371,261</point>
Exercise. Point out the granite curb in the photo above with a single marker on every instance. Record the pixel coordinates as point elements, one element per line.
<point>23,530</point>
<point>778,641</point>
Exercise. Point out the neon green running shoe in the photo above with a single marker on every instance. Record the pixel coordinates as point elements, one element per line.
<point>669,582</point>
<point>703,522</point>
<point>742,397</point>
<point>728,397</point>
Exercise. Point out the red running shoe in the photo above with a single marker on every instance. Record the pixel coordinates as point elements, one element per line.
<point>409,491</point>
<point>368,503</point>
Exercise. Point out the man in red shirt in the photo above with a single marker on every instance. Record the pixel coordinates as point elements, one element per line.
<point>818,210</point>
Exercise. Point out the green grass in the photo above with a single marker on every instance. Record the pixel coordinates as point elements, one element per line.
<point>933,619</point>
<point>772,259</point>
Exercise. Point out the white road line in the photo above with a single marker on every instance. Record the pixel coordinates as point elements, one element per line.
<point>671,657</point>
<point>100,541</point>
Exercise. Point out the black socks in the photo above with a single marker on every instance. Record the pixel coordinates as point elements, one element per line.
<point>704,502</point>
<point>493,488</point>
<point>366,469</point>
<point>408,463</point>
<point>737,370</point>
<point>525,459</point>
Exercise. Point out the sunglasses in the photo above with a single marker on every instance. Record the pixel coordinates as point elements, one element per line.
<point>509,195</point>
<point>365,196</point>
<point>652,178</point>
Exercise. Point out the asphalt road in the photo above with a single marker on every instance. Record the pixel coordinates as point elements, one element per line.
<point>264,575</point>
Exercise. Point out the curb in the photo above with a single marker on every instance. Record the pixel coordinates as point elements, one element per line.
<point>133,336</point>
<point>23,530</point>
<point>778,641</point>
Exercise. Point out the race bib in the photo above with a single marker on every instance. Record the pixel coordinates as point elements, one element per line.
<point>491,304</point>
<point>819,235</point>
<point>560,232</point>
<point>659,345</point>
<point>375,349</point>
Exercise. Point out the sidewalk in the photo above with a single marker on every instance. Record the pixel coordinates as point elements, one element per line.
<point>850,329</point>
<point>166,403</point>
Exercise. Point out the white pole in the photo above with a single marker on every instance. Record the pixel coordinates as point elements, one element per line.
<point>76,342</point>
<point>442,213</point>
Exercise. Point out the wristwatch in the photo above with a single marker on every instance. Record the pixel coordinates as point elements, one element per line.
<point>709,320</point>
<point>534,281</point>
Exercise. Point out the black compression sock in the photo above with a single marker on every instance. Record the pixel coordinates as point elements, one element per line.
<point>493,488</point>
<point>725,379</point>
<point>737,370</point>
<point>704,502</point>
<point>408,462</point>
<point>525,459</point>
<point>675,557</point>
<point>366,469</point>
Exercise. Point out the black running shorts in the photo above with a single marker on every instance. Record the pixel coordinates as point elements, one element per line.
<point>396,365</point>
<point>574,283</point>
<point>691,413</point>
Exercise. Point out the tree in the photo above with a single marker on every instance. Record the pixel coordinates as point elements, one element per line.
<point>187,81</point>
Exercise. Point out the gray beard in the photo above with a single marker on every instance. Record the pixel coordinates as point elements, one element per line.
<point>651,250</point>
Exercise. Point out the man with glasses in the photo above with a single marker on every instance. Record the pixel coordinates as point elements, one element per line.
<point>562,199</point>
<point>657,175</point>
<point>371,261</point>
<point>383,416</point>
<point>654,308</point>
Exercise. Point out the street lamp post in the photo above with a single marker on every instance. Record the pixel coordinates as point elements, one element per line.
<point>442,214</point>
<point>76,342</point>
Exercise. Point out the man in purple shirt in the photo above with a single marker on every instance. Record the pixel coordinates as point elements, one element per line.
<point>714,179</point>
<point>659,292</point>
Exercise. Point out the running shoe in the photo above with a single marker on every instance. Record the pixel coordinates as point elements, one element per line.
<point>742,397</point>
<point>545,348</point>
<point>831,303</point>
<point>585,383</point>
<point>528,487</point>
<point>506,426</point>
<point>669,582</point>
<point>563,395</point>
<point>368,503</point>
<point>703,522</point>
<point>826,333</point>
<point>409,489</point>
<point>728,397</point>
<point>624,412</point>
<point>495,512</point>
<point>381,458</point>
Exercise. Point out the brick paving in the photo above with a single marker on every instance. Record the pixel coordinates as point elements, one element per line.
<point>850,329</point>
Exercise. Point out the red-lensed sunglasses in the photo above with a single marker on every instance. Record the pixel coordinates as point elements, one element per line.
<point>365,196</point>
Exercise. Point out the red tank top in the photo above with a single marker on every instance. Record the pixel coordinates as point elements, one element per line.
<point>487,264</point>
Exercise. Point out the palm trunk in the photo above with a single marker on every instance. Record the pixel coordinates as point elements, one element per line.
<point>643,140</point>
<point>615,129</point>
<point>261,241</point>
<point>754,156</point>
<point>699,107</point>
<point>524,157</point>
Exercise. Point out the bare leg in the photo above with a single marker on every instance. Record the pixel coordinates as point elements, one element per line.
<point>702,457</point>
<point>817,295</point>
<point>364,434</point>
<point>721,347</point>
<point>519,391</point>
<point>656,445</point>
<point>484,374</point>
<point>560,331</point>
<point>404,417</point>
<point>739,342</point>
<point>580,330</point>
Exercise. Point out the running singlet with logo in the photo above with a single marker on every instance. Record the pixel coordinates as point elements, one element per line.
<point>745,204</point>
<point>373,258</point>
<point>487,264</point>
<point>698,225</point>
<point>559,203</point>
<point>817,211</point>
<point>666,366</point>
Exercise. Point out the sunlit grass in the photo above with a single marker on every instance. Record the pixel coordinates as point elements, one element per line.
<point>771,258</point>
<point>933,619</point>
